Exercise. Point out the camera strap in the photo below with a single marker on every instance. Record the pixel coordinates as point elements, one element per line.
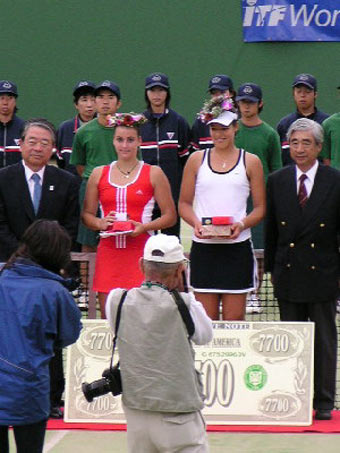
<point>184,312</point>
<point>119,311</point>
<point>182,308</point>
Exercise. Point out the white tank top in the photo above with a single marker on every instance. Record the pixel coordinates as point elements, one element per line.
<point>222,194</point>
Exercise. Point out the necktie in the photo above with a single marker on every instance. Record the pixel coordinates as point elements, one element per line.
<point>36,191</point>
<point>302,194</point>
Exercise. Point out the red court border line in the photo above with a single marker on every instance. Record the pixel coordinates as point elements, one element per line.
<point>318,426</point>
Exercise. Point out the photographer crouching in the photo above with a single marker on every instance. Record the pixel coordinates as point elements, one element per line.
<point>162,393</point>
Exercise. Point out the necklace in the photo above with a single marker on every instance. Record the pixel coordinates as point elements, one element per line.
<point>149,284</point>
<point>224,163</point>
<point>128,172</point>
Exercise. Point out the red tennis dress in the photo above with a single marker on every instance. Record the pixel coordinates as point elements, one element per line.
<point>117,256</point>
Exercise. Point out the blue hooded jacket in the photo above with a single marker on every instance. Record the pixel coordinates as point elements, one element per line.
<point>36,313</point>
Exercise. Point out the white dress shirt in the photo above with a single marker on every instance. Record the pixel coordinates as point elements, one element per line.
<point>29,180</point>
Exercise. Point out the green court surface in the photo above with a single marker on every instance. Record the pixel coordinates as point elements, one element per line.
<point>74,441</point>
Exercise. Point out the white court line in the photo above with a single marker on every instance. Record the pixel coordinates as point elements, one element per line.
<point>54,440</point>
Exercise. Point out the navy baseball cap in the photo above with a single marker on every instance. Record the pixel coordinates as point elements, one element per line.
<point>8,87</point>
<point>249,92</point>
<point>157,79</point>
<point>305,79</point>
<point>84,85</point>
<point>220,82</point>
<point>108,85</point>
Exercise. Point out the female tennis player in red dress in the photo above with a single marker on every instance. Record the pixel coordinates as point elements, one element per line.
<point>127,191</point>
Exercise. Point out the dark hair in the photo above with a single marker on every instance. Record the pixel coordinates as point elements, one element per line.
<point>167,100</point>
<point>98,91</point>
<point>259,108</point>
<point>232,93</point>
<point>12,95</point>
<point>83,91</point>
<point>46,243</point>
<point>39,122</point>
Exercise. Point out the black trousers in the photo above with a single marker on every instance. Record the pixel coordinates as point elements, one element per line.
<point>174,230</point>
<point>57,379</point>
<point>323,314</point>
<point>28,438</point>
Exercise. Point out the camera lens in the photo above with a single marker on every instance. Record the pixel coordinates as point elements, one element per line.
<point>95,388</point>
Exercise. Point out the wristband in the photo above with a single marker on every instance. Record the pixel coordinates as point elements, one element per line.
<point>242,224</point>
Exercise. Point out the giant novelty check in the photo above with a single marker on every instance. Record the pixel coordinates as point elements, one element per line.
<point>254,373</point>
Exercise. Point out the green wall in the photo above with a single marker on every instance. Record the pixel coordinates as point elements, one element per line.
<point>48,45</point>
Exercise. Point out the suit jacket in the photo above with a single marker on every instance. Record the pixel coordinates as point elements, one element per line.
<point>59,201</point>
<point>301,246</point>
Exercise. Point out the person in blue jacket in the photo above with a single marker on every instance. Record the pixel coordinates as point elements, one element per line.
<point>37,314</point>
<point>84,103</point>
<point>11,125</point>
<point>200,131</point>
<point>165,138</point>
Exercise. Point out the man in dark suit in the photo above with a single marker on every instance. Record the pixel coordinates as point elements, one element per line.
<point>58,194</point>
<point>302,250</point>
<point>31,190</point>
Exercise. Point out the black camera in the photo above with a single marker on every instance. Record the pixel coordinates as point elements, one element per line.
<point>111,382</point>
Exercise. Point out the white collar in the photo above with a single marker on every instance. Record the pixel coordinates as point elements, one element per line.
<point>310,173</point>
<point>29,172</point>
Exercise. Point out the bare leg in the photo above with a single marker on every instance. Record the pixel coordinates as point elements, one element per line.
<point>233,306</point>
<point>210,302</point>
<point>102,301</point>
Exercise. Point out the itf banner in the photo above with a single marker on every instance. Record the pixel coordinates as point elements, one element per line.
<point>291,20</point>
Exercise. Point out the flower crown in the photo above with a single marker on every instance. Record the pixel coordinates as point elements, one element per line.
<point>126,119</point>
<point>213,108</point>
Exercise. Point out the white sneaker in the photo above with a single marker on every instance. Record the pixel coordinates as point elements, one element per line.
<point>81,299</point>
<point>75,293</point>
<point>338,306</point>
<point>253,304</point>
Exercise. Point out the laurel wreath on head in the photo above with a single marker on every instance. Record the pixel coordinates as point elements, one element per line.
<point>126,119</point>
<point>214,107</point>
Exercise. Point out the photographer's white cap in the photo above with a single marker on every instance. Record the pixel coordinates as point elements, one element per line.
<point>163,248</point>
<point>225,119</point>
